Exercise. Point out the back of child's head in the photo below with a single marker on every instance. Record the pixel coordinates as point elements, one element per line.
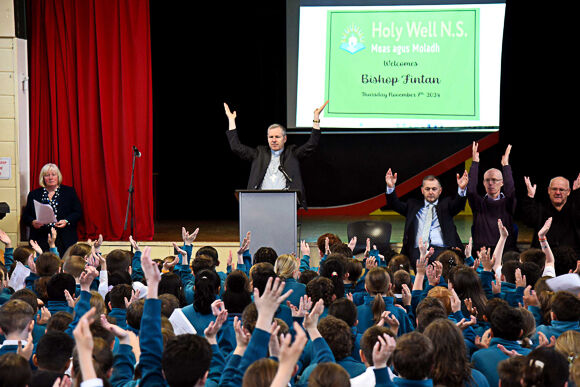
<point>265,254</point>
<point>508,270</point>
<point>545,367</point>
<point>207,285</point>
<point>259,275</point>
<point>448,259</point>
<point>534,255</point>
<point>285,266</point>
<point>532,271</point>
<point>334,268</point>
<point>510,371</point>
<point>506,323</point>
<point>57,284</point>
<point>427,315</point>
<point>444,295</point>
<point>307,276</point>
<point>171,283</point>
<point>118,260</point>
<point>15,316</point>
<point>491,305</point>
<point>80,248</point>
<point>344,309</point>
<point>568,344</point>
<point>209,251</point>
<point>168,304</point>
<point>118,294</point>
<point>565,306</point>
<point>53,351</point>
<point>510,256</point>
<point>237,294</point>
<point>260,373</point>
<point>341,249</point>
<point>120,277</point>
<point>202,262</point>
<point>21,254</point>
<point>320,288</point>
<point>179,366</point>
<point>74,265</point>
<point>378,284</point>
<point>59,321</point>
<point>47,264</point>
<point>354,269</point>
<point>97,330</point>
<point>329,375</point>
<point>102,359</point>
<point>528,326</point>
<point>369,339</point>
<point>249,317</point>
<point>400,278</point>
<point>428,302</point>
<point>332,240</point>
<point>399,262</point>
<point>337,335</point>
<point>98,303</point>
<point>14,370</point>
<point>134,313</point>
<point>41,378</point>
<point>467,284</point>
<point>27,295</point>
<point>565,259</point>
<point>413,356</point>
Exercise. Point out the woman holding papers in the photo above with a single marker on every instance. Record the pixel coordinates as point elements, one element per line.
<point>58,206</point>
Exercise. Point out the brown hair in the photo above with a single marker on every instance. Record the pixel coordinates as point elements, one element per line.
<point>443,295</point>
<point>377,283</point>
<point>337,335</point>
<point>15,315</point>
<point>47,264</point>
<point>329,375</point>
<point>74,265</point>
<point>260,373</point>
<point>369,340</point>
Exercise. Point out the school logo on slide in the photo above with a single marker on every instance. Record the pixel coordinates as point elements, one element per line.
<point>352,39</point>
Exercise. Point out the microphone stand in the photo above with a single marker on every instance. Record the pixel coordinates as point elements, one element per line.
<point>131,199</point>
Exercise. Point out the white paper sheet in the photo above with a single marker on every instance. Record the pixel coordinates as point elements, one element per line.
<point>44,213</point>
<point>19,275</point>
<point>181,324</point>
<point>568,282</point>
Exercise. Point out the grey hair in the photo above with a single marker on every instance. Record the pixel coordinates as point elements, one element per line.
<point>273,126</point>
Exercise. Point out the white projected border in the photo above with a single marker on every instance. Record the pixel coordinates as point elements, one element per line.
<point>312,57</point>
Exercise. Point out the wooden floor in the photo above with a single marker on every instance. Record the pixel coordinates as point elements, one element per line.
<point>310,228</point>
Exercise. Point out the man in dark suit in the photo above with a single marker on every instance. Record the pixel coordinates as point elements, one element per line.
<point>275,166</point>
<point>431,219</point>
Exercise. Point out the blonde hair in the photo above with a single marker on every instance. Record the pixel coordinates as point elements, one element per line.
<point>285,266</point>
<point>44,171</point>
<point>568,344</point>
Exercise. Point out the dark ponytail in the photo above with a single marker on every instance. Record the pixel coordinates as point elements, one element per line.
<point>334,268</point>
<point>207,285</point>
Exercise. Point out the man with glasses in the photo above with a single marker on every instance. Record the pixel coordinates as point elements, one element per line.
<point>494,205</point>
<point>564,209</point>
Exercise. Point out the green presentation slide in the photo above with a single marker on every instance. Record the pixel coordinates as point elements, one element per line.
<point>412,64</point>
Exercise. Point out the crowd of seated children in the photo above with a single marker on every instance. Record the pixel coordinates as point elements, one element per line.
<point>129,319</point>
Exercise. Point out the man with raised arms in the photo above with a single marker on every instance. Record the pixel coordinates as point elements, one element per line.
<point>564,209</point>
<point>494,205</point>
<point>430,219</point>
<point>276,166</point>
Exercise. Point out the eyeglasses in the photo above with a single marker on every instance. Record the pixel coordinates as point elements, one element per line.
<point>492,181</point>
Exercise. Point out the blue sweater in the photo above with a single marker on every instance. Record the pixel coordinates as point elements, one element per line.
<point>486,360</point>
<point>365,315</point>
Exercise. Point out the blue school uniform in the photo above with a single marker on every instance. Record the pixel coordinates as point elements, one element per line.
<point>298,290</point>
<point>365,315</point>
<point>198,320</point>
<point>486,360</point>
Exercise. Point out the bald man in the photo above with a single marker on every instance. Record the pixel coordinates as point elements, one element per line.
<point>495,204</point>
<point>564,209</point>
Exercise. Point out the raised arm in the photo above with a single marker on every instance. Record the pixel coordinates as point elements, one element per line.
<point>231,116</point>
<point>316,120</point>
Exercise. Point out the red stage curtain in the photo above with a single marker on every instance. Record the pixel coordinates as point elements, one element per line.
<point>90,102</point>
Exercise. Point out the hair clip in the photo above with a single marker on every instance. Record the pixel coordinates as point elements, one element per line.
<point>537,363</point>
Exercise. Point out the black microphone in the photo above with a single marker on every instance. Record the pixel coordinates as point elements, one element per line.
<point>281,169</point>
<point>136,151</point>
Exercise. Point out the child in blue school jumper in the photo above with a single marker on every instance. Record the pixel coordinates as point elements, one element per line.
<point>506,329</point>
<point>380,299</point>
<point>286,267</point>
<point>565,313</point>
<point>207,288</point>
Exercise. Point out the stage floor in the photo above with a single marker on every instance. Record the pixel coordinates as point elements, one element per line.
<point>311,228</point>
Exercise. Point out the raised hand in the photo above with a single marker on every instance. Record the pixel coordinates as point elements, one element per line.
<point>505,159</point>
<point>35,247</point>
<point>352,243</point>
<point>317,112</point>
<point>187,237</point>
<point>231,115</point>
<point>531,188</point>
<point>545,228</point>
<point>474,152</point>
<point>576,183</point>
<point>390,178</point>
<point>468,248</point>
<point>51,239</point>
<point>304,248</point>
<point>4,238</point>
<point>462,180</point>
<point>268,302</point>
<point>383,350</point>
<point>134,243</point>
